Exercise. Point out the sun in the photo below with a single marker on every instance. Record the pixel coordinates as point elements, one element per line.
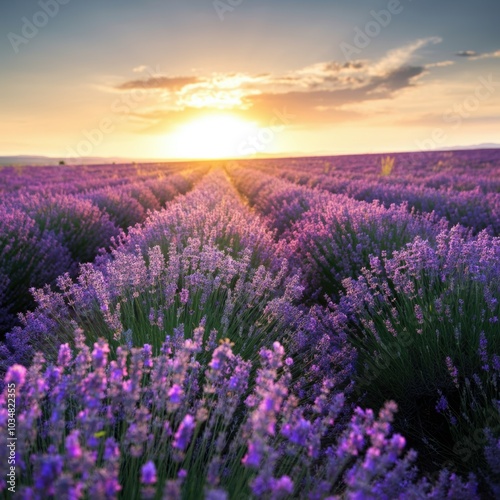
<point>212,136</point>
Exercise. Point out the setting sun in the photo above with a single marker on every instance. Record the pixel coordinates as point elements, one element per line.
<point>214,136</point>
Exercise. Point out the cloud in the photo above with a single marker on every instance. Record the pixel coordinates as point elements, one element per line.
<point>315,94</point>
<point>320,91</point>
<point>440,64</point>
<point>467,53</point>
<point>473,55</point>
<point>159,82</point>
<point>403,55</point>
<point>488,55</point>
<point>319,106</point>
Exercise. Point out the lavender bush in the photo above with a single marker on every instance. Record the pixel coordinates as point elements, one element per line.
<point>122,208</point>
<point>78,224</point>
<point>27,259</point>
<point>331,237</point>
<point>425,324</point>
<point>193,422</point>
<point>205,257</point>
<point>46,233</point>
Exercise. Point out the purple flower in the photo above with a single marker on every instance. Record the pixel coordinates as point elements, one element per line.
<point>48,472</point>
<point>148,473</point>
<point>297,432</point>
<point>216,495</point>
<point>100,354</point>
<point>254,455</point>
<point>483,351</point>
<point>111,450</point>
<point>184,296</point>
<point>442,404</point>
<point>16,375</point>
<point>175,394</point>
<point>496,362</point>
<point>73,449</point>
<point>105,485</point>
<point>220,355</point>
<point>452,370</point>
<point>147,352</point>
<point>282,486</point>
<point>419,314</point>
<point>64,356</point>
<point>184,433</point>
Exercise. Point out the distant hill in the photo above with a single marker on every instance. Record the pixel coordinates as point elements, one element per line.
<point>47,160</point>
<point>10,161</point>
<point>485,145</point>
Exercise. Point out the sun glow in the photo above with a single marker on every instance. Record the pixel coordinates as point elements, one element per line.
<point>214,136</point>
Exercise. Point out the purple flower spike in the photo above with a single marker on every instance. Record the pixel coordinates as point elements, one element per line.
<point>184,433</point>
<point>64,356</point>
<point>147,351</point>
<point>283,485</point>
<point>253,456</point>
<point>184,296</point>
<point>73,448</point>
<point>16,375</point>
<point>148,473</point>
<point>175,394</point>
<point>100,354</point>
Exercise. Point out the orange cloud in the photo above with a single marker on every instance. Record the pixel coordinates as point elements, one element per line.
<point>314,94</point>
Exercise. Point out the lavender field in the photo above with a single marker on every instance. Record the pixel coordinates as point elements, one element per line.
<point>316,328</point>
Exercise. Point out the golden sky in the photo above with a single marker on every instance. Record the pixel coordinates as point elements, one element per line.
<point>205,79</point>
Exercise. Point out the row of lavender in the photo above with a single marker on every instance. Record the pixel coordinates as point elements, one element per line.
<point>185,363</point>
<point>458,170</point>
<point>419,302</point>
<point>82,178</point>
<point>463,187</point>
<point>50,227</point>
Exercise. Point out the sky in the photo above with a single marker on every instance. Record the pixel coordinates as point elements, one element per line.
<point>179,79</point>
